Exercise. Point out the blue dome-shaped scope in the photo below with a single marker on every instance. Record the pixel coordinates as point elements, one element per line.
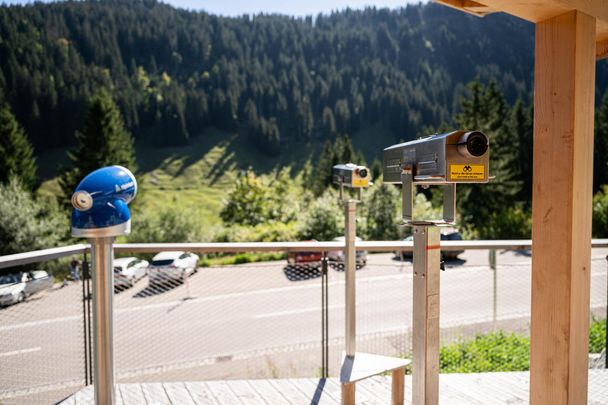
<point>100,203</point>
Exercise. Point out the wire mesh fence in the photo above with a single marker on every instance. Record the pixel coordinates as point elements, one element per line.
<point>259,320</point>
<point>273,320</point>
<point>42,335</point>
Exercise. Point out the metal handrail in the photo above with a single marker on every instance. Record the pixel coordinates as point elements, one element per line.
<point>36,256</point>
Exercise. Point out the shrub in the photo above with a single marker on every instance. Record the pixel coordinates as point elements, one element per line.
<point>600,213</point>
<point>323,220</point>
<point>271,232</point>
<point>28,223</point>
<point>597,335</point>
<point>497,351</point>
<point>169,225</point>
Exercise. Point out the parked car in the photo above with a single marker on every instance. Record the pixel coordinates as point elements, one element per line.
<point>337,256</point>
<point>309,259</point>
<point>128,271</point>
<point>16,288</point>
<point>172,266</point>
<point>446,234</point>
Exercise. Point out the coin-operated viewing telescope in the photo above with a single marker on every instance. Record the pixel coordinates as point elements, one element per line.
<point>352,176</point>
<point>100,214</point>
<point>100,203</point>
<point>446,159</point>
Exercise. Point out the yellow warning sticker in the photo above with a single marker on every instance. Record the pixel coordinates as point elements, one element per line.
<point>467,172</point>
<point>358,182</point>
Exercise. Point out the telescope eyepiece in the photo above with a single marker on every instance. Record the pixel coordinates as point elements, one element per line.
<point>473,144</point>
<point>363,173</point>
<point>82,201</point>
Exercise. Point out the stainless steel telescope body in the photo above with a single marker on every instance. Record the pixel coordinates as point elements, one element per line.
<point>454,157</point>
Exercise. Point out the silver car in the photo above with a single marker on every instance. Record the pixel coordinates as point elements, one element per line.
<point>337,256</point>
<point>128,271</point>
<point>172,267</point>
<point>16,288</point>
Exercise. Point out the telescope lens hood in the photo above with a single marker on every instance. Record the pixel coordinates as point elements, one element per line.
<point>473,144</point>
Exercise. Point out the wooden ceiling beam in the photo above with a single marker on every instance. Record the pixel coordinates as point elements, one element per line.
<point>541,10</point>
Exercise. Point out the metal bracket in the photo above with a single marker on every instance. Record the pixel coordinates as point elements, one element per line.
<point>449,202</point>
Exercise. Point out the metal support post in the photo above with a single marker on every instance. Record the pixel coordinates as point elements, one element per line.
<point>350,208</point>
<point>324,319</point>
<point>494,288</point>
<point>425,369</point>
<point>103,289</point>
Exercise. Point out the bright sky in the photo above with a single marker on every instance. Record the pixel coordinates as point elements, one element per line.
<point>299,8</point>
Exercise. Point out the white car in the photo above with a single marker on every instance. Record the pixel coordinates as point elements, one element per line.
<point>337,256</point>
<point>16,288</point>
<point>172,266</point>
<point>128,271</point>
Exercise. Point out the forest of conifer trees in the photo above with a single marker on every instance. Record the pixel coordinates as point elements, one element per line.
<point>275,79</point>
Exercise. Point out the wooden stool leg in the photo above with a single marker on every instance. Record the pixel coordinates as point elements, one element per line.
<point>348,394</point>
<point>398,386</point>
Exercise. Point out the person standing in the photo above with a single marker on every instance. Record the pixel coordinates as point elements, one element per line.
<point>74,264</point>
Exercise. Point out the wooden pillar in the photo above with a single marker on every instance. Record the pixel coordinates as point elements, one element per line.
<point>561,209</point>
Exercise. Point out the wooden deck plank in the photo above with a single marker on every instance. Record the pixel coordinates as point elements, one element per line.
<point>293,395</point>
<point>454,389</point>
<point>154,393</point>
<point>508,386</point>
<point>222,393</point>
<point>245,393</point>
<point>317,392</point>
<point>132,394</point>
<point>270,394</point>
<point>200,393</point>
<point>471,391</point>
<point>333,388</point>
<point>85,396</point>
<point>380,387</point>
<point>178,394</point>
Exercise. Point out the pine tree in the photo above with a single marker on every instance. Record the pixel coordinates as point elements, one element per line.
<point>600,150</point>
<point>16,153</point>
<point>485,110</point>
<point>381,209</point>
<point>103,141</point>
<point>323,172</point>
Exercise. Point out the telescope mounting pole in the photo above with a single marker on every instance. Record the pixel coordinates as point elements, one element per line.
<point>425,359</point>
<point>350,264</point>
<point>102,255</point>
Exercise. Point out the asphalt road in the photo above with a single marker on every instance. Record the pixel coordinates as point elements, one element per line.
<point>248,311</point>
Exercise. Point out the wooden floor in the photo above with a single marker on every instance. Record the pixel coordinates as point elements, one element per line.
<point>455,389</point>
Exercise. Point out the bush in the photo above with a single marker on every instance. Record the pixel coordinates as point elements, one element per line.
<point>271,232</point>
<point>28,223</point>
<point>597,335</point>
<point>600,213</point>
<point>380,208</point>
<point>169,225</point>
<point>323,220</point>
<point>513,222</point>
<point>491,352</point>
<point>259,200</point>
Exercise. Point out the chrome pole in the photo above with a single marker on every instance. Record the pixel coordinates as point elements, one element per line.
<point>350,231</point>
<point>102,255</point>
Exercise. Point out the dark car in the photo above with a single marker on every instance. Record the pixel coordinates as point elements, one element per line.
<point>448,234</point>
<point>308,259</point>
